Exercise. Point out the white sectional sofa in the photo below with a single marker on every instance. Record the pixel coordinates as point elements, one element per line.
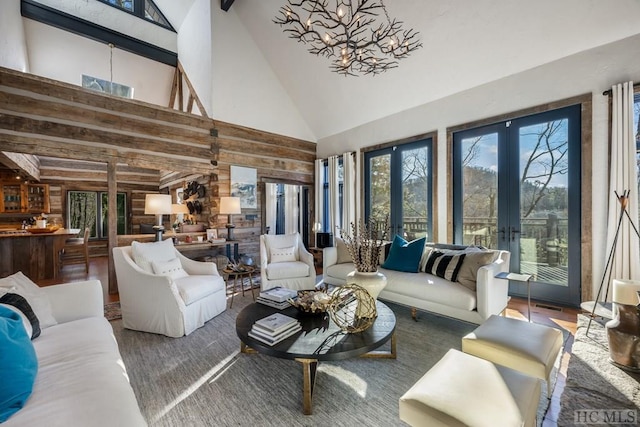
<point>431,293</point>
<point>81,379</point>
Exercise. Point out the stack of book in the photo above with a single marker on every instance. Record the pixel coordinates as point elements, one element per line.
<point>274,328</point>
<point>277,297</point>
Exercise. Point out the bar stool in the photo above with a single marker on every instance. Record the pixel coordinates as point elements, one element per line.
<point>78,246</point>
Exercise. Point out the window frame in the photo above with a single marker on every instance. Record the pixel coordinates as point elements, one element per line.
<point>100,233</point>
<point>325,195</point>
<point>139,12</point>
<point>428,140</point>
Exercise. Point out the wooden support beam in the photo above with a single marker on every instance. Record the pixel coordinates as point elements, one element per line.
<point>112,219</point>
<point>180,94</point>
<point>174,88</point>
<point>192,91</point>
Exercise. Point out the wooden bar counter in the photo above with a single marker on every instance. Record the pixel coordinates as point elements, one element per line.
<point>36,255</point>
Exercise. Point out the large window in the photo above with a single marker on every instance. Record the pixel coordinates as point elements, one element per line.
<point>325,196</point>
<point>144,9</point>
<point>517,187</point>
<point>90,209</point>
<point>398,185</point>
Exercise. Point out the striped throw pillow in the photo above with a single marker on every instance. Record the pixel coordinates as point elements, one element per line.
<point>445,265</point>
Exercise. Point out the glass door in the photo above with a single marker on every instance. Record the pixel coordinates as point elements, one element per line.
<point>519,190</point>
<point>398,183</point>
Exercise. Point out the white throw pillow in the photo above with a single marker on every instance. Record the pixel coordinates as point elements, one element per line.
<point>145,253</point>
<point>172,268</point>
<point>283,254</point>
<point>20,284</point>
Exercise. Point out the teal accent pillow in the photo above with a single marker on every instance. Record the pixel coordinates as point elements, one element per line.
<point>404,256</point>
<point>18,364</point>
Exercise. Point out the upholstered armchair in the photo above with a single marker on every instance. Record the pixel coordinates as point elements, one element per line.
<point>284,261</point>
<point>163,292</point>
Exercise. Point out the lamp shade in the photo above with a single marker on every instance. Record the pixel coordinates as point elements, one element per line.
<point>230,205</point>
<point>179,209</point>
<point>157,204</point>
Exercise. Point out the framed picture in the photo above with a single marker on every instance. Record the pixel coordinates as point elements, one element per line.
<point>212,234</point>
<point>243,185</point>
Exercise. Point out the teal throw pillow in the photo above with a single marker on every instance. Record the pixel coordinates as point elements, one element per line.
<point>18,364</point>
<point>404,256</point>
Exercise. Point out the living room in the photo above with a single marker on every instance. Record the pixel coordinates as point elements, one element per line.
<point>277,109</point>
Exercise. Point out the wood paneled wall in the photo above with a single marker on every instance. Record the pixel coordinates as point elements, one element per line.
<point>275,158</point>
<point>49,118</point>
<point>56,120</point>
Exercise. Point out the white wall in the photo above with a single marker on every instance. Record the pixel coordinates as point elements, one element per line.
<point>245,89</point>
<point>194,50</point>
<point>591,72</point>
<point>13,48</point>
<point>64,56</point>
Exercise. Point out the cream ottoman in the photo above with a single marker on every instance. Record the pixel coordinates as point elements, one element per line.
<point>463,390</point>
<point>526,347</point>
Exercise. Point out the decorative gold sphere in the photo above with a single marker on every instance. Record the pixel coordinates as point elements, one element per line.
<point>352,308</point>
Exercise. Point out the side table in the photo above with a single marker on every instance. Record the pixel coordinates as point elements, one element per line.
<point>239,277</point>
<point>317,258</point>
<point>520,278</point>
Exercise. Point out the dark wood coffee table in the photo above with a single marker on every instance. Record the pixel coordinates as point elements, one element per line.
<point>319,340</point>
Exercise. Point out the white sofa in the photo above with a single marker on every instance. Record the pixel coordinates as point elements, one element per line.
<point>81,379</point>
<point>166,303</point>
<point>431,293</point>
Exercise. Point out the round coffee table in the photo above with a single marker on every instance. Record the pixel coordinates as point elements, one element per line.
<point>319,340</point>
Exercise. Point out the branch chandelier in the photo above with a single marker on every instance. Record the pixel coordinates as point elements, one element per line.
<point>349,33</point>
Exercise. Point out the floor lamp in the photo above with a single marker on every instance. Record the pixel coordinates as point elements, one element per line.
<point>157,204</point>
<point>230,206</point>
<point>606,275</point>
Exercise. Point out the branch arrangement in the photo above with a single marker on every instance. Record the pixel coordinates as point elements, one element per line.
<point>365,242</point>
<point>349,33</point>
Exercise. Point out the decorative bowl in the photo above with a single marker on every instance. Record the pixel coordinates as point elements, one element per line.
<point>35,230</point>
<point>311,302</point>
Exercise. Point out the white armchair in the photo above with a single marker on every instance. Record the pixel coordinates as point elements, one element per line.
<point>284,261</point>
<point>163,292</point>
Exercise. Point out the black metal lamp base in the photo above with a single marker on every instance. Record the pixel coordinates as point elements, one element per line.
<point>230,228</point>
<point>159,230</point>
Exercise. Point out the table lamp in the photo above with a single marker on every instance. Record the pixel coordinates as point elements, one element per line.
<point>230,206</point>
<point>157,204</point>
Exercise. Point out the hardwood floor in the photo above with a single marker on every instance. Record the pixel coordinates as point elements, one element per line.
<point>542,313</point>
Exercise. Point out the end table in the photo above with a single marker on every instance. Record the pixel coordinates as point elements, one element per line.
<point>239,276</point>
<point>517,277</point>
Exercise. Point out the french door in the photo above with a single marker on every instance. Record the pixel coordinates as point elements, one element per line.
<point>398,184</point>
<point>517,188</point>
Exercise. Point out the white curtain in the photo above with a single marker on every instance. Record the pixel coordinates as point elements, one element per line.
<point>270,191</point>
<point>291,209</point>
<point>319,164</point>
<point>349,190</point>
<point>626,264</point>
<point>334,199</point>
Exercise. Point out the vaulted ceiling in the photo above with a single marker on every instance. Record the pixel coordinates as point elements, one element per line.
<point>465,44</point>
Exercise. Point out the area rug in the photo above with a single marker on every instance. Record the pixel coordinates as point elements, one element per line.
<point>593,383</point>
<point>112,311</point>
<point>203,380</point>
